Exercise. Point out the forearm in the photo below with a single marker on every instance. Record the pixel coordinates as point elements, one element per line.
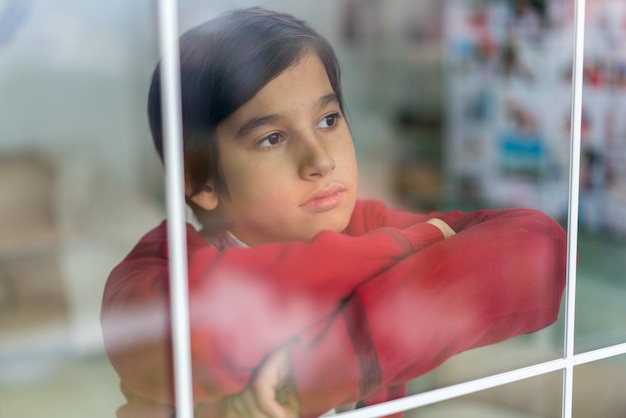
<point>243,307</point>
<point>243,304</point>
<point>502,275</point>
<point>262,304</point>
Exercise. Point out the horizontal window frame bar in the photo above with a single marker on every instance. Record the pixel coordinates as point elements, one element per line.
<point>600,354</point>
<point>489,382</point>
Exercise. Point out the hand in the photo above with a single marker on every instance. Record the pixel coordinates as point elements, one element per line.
<point>270,394</point>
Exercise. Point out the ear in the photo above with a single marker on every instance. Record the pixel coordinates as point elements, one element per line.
<point>207,197</point>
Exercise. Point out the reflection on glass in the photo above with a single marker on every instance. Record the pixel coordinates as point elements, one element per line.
<point>536,397</point>
<point>79,182</point>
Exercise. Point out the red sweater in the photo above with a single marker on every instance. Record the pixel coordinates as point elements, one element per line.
<point>365,311</point>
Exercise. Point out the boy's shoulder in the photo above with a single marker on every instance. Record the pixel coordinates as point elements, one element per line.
<point>157,239</point>
<point>152,248</point>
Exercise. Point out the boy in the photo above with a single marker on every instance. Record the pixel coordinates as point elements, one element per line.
<point>302,297</point>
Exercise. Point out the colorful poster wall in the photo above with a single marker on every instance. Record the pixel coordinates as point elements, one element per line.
<point>509,104</point>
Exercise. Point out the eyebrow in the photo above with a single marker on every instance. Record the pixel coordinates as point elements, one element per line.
<point>255,122</point>
<point>328,99</point>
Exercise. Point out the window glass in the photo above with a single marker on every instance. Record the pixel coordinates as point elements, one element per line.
<point>504,111</point>
<point>599,388</point>
<point>601,289</point>
<point>452,104</point>
<point>602,279</point>
<point>79,185</point>
<point>486,361</point>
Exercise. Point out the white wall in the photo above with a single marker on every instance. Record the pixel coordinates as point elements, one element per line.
<point>74,76</point>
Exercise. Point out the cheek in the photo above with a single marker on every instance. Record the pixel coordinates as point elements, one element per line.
<point>347,144</point>
<point>347,157</point>
<point>253,187</point>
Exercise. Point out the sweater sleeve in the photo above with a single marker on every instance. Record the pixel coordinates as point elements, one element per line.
<point>244,303</point>
<point>373,214</point>
<point>501,275</point>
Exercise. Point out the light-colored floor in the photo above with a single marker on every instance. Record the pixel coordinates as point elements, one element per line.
<point>69,388</point>
<point>44,374</point>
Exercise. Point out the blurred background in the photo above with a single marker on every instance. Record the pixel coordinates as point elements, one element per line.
<point>452,104</point>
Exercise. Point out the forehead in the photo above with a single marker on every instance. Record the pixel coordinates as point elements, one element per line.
<point>302,84</point>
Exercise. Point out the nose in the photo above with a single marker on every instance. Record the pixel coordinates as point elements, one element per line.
<point>315,159</point>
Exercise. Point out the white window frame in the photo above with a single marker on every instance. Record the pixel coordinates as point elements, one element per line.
<point>168,38</point>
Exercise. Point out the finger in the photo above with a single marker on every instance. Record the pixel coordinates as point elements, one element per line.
<point>270,383</point>
<point>292,404</point>
<point>250,407</point>
<point>269,398</point>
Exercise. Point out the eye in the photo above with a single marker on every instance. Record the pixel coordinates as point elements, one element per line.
<point>329,121</point>
<point>270,141</point>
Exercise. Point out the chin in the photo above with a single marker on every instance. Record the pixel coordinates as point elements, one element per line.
<point>337,226</point>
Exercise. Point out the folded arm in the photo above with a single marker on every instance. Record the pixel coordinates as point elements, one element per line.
<point>244,303</point>
<point>501,275</point>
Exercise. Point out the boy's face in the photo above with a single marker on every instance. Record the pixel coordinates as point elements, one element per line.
<point>288,160</point>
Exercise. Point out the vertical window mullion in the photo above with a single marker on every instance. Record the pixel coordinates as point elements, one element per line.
<point>574,182</point>
<point>176,226</point>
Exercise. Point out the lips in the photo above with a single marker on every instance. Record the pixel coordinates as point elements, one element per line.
<point>324,199</point>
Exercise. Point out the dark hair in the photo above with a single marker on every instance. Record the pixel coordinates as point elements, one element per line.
<point>224,63</point>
